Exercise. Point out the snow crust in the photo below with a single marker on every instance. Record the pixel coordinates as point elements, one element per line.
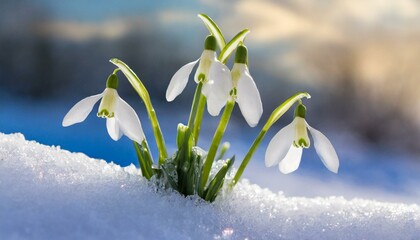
<point>49,193</point>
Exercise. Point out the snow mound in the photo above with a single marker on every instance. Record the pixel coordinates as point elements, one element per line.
<point>49,193</point>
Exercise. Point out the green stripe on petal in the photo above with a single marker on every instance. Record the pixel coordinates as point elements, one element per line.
<point>301,133</point>
<point>107,105</point>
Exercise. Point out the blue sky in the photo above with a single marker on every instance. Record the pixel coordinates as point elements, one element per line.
<point>97,10</point>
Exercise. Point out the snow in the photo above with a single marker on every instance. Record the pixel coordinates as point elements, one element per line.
<point>49,193</point>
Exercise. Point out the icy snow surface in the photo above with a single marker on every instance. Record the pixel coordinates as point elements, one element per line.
<point>49,193</point>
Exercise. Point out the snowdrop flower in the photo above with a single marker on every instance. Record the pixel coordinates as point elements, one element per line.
<point>120,117</point>
<point>244,89</point>
<point>214,75</point>
<point>286,146</point>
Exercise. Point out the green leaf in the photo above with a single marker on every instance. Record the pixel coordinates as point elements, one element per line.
<point>188,169</point>
<point>217,183</point>
<point>167,169</point>
<point>223,149</point>
<point>184,160</point>
<point>193,172</point>
<point>231,46</point>
<point>218,135</point>
<point>145,159</point>
<point>280,110</point>
<point>213,29</point>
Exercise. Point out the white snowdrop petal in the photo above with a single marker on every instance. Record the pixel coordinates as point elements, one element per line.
<point>80,110</point>
<point>206,89</point>
<point>128,121</point>
<point>215,103</point>
<point>325,150</point>
<point>217,88</point>
<point>279,145</point>
<point>206,60</point>
<point>249,100</point>
<point>220,76</point>
<point>291,161</point>
<point>113,128</point>
<point>179,81</point>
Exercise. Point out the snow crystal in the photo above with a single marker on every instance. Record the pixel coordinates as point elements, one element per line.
<point>49,193</point>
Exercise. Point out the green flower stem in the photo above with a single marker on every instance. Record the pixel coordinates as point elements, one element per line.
<point>160,142</point>
<point>144,158</point>
<point>115,71</point>
<point>199,118</point>
<point>249,155</point>
<point>195,106</point>
<point>144,95</point>
<point>215,142</point>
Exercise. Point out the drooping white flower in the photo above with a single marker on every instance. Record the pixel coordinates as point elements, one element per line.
<point>287,145</point>
<point>120,117</point>
<point>214,75</point>
<point>245,91</point>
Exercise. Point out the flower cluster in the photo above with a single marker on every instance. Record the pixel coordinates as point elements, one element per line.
<point>218,87</point>
<point>220,84</point>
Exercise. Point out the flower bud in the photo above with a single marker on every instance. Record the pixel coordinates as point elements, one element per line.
<point>210,43</point>
<point>112,81</point>
<point>300,111</point>
<point>182,132</point>
<point>241,55</point>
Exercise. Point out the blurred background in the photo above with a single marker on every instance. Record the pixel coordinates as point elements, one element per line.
<point>358,59</point>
